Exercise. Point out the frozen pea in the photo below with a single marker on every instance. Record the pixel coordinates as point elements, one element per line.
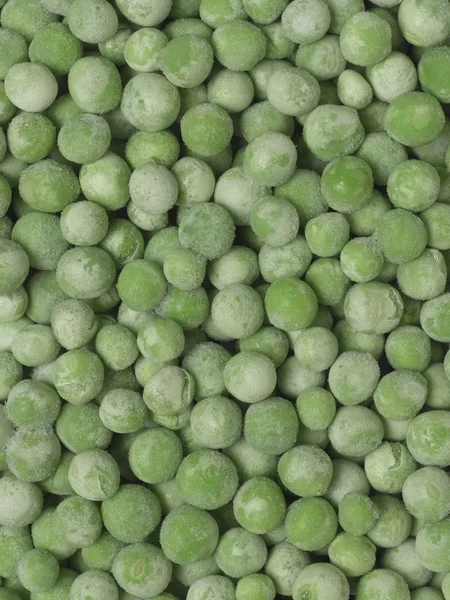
<point>250,462</point>
<point>84,223</point>
<point>271,426</point>
<point>353,90</point>
<point>11,373</point>
<point>316,408</point>
<point>327,234</point>
<point>261,118</point>
<point>402,236</point>
<point>426,494</point>
<point>145,221</point>
<point>259,505</point>
<point>40,236</point>
<point>290,260</point>
<point>393,76</point>
<point>195,181</point>
<point>123,411</point>
<point>348,477</point>
<point>372,117</point>
<point>270,159</point>
<point>14,266</point>
<point>169,392</point>
<point>434,318</point>
<point>305,471</point>
<point>206,363</point>
<point>79,521</point>
<point>92,22</point>
<point>105,181</point>
<point>283,565</point>
<point>48,186</point>
<point>80,428</point>
<point>216,422</point>
<point>143,49</point>
<point>269,341</point>
<point>388,466</point>
<point>435,152</point>
<point>161,338</point>
<point>408,347</point>
<point>384,584</point>
<point>400,395</point>
<point>207,479</point>
<point>323,58</point>
<point>432,543</point>
<point>347,183</point>
<point>311,524</point>
<point>44,294</point>
<point>13,305</point>
<point>432,70</point>
<point>438,385</point>
<point>5,196</point>
<point>144,505</point>
<point>41,86</point>
<point>46,537</point>
<point>237,310</point>
<point>13,49</point>
<point>253,586</point>
<point>436,219</point>
<point>35,345</point>
<point>58,482</point>
<point>32,403</point>
<point>238,45</point>
<point>85,272</point>
<point>306,21</point>
<point>432,426</point>
<point>94,475</point>
<point>424,24</point>
<point>413,185</point>
<point>55,47</point>
<point>357,513</point>
<point>293,378</point>
<point>206,129</point>
<point>183,538</point>
<point>148,445</point>
<point>331,131</point>
<point>323,580</point>
<point>240,553</point>
<point>274,220</point>
<point>116,346</point>
<point>38,571</point>
<point>161,147</point>
<point>33,453</point>
<point>141,285</point>
<point>11,168</point>
<point>188,309</point>
<point>208,229</point>
<point>144,15</point>
<point>353,377</point>
<point>414,118</point>
<point>365,39</point>
<point>355,431</point>
<point>393,524</point>
<point>426,593</point>
<point>84,138</point>
<point>373,307</point>
<point>316,348</point>
<point>153,188</point>
<point>327,280</point>
<point>354,555</point>
<point>74,323</point>
<point>30,137</point>
<point>216,13</point>
<point>239,265</point>
<point>7,108</point>
<point>21,502</point>
<point>231,90</point>
<point>361,259</point>
<point>123,242</point>
<point>382,154</point>
<point>219,587</point>
<point>186,61</point>
<point>78,376</point>
<point>94,581</point>
<point>293,91</point>
<point>94,84</point>
<point>101,554</point>
<point>290,304</point>
<point>152,578</point>
<point>341,11</point>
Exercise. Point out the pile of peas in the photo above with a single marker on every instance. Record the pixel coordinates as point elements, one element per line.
<point>224,299</point>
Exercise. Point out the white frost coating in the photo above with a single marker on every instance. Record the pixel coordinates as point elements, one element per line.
<point>424,22</point>
<point>306,21</point>
<point>153,189</point>
<point>31,87</point>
